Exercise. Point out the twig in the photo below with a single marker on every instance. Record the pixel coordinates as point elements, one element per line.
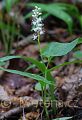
<point>25,41</point>
<point>17,111</point>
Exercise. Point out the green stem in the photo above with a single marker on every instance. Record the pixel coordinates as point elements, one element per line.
<point>11,37</point>
<point>4,40</point>
<point>51,88</point>
<point>8,36</point>
<point>3,35</point>
<point>43,89</point>
<point>39,46</point>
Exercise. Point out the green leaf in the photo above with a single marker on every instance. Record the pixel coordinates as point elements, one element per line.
<point>79,40</point>
<point>64,64</point>
<point>30,67</point>
<point>2,63</point>
<point>28,15</point>
<point>51,87</point>
<point>3,59</point>
<point>72,9</point>
<point>63,118</point>
<point>7,27</point>
<point>80,20</point>
<point>26,74</point>
<point>42,6</point>
<point>78,54</point>
<point>9,3</point>
<point>44,16</point>
<point>39,88</point>
<point>61,14</point>
<point>59,49</point>
<point>40,65</point>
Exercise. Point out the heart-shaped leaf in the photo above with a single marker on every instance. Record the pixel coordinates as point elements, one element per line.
<point>59,49</point>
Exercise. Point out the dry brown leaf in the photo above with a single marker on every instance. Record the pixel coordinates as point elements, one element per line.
<point>3,93</point>
<point>32,115</point>
<point>25,90</point>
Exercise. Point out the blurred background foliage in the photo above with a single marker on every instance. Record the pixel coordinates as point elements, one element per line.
<point>15,18</point>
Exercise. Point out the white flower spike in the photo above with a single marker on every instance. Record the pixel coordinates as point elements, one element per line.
<point>37,25</point>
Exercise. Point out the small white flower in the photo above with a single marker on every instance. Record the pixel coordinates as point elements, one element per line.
<point>34,37</point>
<point>41,32</point>
<point>37,22</point>
<point>12,14</point>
